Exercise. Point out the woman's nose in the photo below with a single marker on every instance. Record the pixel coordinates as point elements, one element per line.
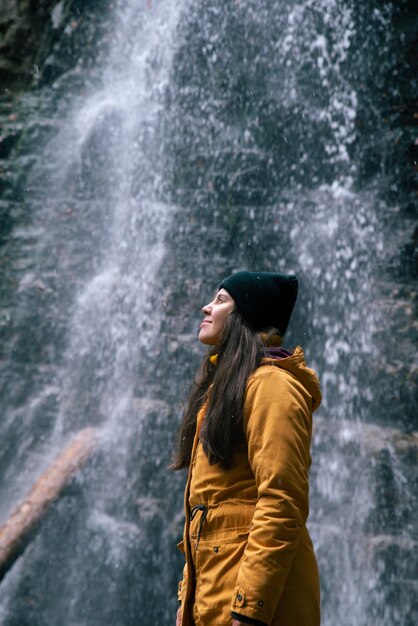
<point>206,309</point>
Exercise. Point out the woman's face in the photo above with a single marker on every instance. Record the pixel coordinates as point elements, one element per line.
<point>216,313</point>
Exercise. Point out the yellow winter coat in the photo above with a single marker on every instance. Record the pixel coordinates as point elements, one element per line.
<point>247,548</point>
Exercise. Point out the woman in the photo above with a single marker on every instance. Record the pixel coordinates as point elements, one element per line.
<point>245,437</point>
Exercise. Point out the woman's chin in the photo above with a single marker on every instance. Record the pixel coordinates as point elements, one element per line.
<point>207,341</point>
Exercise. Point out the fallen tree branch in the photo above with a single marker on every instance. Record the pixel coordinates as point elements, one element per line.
<point>23,522</point>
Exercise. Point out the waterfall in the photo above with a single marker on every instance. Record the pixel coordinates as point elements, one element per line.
<point>100,216</point>
<point>204,138</point>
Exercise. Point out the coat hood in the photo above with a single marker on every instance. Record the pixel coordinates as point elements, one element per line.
<point>295,364</point>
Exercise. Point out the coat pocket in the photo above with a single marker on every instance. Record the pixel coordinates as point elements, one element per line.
<point>180,546</point>
<point>217,563</point>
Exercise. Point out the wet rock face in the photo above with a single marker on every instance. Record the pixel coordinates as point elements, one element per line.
<point>265,131</point>
<point>363,521</point>
<point>39,41</point>
<point>28,30</point>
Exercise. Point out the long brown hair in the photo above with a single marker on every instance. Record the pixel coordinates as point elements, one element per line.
<point>239,353</point>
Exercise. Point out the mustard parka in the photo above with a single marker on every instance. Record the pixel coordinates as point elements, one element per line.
<point>247,548</point>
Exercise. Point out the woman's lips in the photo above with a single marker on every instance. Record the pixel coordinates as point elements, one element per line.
<point>205,322</point>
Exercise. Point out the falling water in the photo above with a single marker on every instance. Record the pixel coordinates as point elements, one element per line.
<point>209,137</point>
<point>103,172</point>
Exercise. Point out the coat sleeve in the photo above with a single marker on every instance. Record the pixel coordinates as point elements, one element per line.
<point>183,582</point>
<point>278,430</point>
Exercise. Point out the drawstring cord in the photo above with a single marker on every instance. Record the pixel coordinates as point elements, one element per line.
<point>195,509</point>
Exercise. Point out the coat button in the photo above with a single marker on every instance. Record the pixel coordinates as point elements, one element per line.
<point>216,550</point>
<point>260,603</point>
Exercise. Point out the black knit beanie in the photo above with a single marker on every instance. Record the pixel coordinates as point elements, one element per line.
<point>265,299</point>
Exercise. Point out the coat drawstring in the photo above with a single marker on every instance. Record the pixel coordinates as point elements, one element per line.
<point>194,510</point>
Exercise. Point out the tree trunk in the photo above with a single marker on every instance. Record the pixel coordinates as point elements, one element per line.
<point>23,522</point>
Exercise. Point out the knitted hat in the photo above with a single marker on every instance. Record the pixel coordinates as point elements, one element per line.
<point>265,299</point>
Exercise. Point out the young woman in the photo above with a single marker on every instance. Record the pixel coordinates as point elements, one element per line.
<point>245,437</point>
